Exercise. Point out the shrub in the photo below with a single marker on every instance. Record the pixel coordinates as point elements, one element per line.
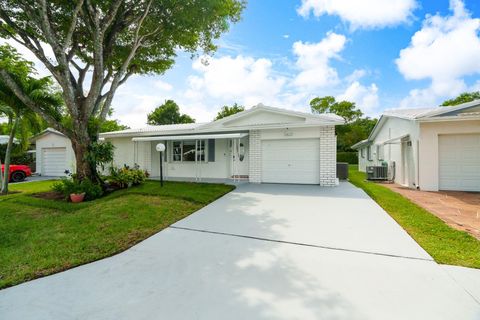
<point>349,157</point>
<point>67,186</point>
<point>126,176</point>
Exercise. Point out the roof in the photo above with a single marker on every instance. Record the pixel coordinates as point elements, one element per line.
<point>447,113</point>
<point>222,125</point>
<point>4,139</point>
<point>360,144</point>
<point>45,132</point>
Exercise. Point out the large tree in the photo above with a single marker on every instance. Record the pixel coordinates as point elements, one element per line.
<point>96,45</point>
<point>228,111</point>
<point>168,113</point>
<point>462,98</point>
<point>328,104</point>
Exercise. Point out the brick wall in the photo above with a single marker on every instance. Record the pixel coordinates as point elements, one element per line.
<point>328,156</point>
<point>255,157</point>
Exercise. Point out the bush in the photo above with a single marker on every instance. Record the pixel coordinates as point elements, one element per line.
<point>126,176</point>
<point>67,186</point>
<point>349,157</point>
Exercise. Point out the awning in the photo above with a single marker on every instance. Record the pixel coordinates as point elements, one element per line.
<point>393,140</point>
<point>193,137</point>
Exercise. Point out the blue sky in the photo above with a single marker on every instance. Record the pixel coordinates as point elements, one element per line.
<point>381,54</point>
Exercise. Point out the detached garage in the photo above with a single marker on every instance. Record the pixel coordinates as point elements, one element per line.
<point>54,153</point>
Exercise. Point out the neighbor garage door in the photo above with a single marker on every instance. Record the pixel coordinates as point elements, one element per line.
<point>459,162</point>
<point>54,161</point>
<point>291,161</point>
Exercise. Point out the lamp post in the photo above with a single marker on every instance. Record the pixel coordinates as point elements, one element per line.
<point>161,148</point>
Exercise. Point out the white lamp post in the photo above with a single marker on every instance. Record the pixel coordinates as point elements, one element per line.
<point>161,148</point>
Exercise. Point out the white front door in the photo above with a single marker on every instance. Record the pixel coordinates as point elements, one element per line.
<point>239,157</point>
<point>459,162</point>
<point>54,161</point>
<point>291,161</point>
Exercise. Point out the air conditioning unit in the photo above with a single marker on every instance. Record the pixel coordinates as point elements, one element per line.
<point>377,173</point>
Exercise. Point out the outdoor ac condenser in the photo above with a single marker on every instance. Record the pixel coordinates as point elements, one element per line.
<point>377,173</point>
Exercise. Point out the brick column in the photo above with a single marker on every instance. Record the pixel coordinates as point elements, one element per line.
<point>328,156</point>
<point>255,157</point>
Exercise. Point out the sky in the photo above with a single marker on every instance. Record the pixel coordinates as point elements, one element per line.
<point>380,54</point>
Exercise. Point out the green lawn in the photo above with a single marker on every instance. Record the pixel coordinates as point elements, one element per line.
<point>40,237</point>
<point>445,244</point>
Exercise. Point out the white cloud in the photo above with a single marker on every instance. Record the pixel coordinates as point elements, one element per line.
<point>313,61</point>
<point>444,50</point>
<point>366,97</point>
<point>362,14</point>
<point>162,85</point>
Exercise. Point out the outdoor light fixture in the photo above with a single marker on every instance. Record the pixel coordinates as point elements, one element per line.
<point>161,148</point>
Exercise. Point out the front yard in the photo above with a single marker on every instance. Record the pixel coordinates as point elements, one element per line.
<point>39,237</point>
<point>445,244</point>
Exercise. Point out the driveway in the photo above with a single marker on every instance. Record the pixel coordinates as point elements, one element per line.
<point>260,252</point>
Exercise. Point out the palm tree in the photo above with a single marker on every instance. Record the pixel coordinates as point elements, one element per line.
<point>20,117</point>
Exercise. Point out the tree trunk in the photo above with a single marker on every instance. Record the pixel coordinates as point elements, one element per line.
<point>85,170</point>
<point>7,156</point>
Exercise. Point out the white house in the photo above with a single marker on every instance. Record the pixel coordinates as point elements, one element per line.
<point>54,153</point>
<point>432,149</point>
<point>262,144</point>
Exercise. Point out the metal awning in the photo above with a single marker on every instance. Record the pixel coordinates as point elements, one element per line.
<point>393,140</point>
<point>193,137</point>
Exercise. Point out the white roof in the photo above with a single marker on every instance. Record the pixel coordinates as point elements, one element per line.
<point>193,137</point>
<point>4,139</point>
<point>409,113</point>
<point>159,128</point>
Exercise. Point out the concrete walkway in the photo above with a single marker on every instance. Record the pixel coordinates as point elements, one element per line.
<point>260,252</point>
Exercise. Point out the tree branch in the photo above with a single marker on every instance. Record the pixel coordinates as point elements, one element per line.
<point>73,25</point>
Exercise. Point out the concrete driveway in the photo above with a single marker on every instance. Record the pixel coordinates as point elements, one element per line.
<point>260,252</point>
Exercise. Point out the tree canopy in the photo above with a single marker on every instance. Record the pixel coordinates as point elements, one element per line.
<point>228,111</point>
<point>357,128</point>
<point>168,113</point>
<point>92,47</point>
<point>462,98</point>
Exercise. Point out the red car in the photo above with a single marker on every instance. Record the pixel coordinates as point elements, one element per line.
<point>18,172</point>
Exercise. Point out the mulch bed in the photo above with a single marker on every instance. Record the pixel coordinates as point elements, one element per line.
<point>49,195</point>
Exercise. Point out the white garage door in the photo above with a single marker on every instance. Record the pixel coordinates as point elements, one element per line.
<point>291,161</point>
<point>459,162</point>
<point>54,161</point>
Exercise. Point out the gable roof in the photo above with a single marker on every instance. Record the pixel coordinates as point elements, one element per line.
<point>45,132</point>
<point>272,118</point>
<point>447,113</point>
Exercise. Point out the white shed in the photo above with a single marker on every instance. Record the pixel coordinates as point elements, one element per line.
<point>54,153</point>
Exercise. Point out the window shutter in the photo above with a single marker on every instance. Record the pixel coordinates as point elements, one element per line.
<point>211,150</point>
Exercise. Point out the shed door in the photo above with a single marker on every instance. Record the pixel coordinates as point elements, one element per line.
<point>291,161</point>
<point>459,162</point>
<point>54,161</point>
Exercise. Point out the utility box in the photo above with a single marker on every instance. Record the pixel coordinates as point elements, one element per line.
<point>342,170</point>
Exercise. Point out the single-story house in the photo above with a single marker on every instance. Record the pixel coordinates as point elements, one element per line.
<point>431,148</point>
<point>261,144</point>
<point>54,153</point>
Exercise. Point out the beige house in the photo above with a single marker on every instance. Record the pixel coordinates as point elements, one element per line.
<point>430,149</point>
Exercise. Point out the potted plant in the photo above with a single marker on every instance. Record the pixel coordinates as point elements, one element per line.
<point>77,197</point>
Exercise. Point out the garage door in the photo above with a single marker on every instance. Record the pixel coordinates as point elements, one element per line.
<point>291,161</point>
<point>459,162</point>
<point>54,161</point>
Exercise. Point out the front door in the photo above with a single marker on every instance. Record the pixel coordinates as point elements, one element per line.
<point>239,158</point>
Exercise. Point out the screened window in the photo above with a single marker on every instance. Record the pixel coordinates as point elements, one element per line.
<point>184,151</point>
<point>369,153</point>
<point>362,152</point>
<point>380,152</point>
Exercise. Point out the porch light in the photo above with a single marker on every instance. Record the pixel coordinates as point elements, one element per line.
<point>161,148</point>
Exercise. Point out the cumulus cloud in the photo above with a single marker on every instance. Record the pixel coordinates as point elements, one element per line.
<point>362,14</point>
<point>366,97</point>
<point>313,61</point>
<point>444,50</point>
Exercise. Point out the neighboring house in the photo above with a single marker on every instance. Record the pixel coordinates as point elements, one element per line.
<point>262,144</point>
<point>4,139</point>
<point>432,149</point>
<point>54,153</point>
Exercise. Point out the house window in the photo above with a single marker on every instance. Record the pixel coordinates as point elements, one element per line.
<point>184,151</point>
<point>369,153</point>
<point>380,152</point>
<point>362,152</point>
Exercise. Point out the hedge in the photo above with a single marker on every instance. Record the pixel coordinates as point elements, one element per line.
<point>350,157</point>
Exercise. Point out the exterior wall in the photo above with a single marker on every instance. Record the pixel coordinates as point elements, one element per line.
<point>363,162</point>
<point>124,152</point>
<point>391,129</point>
<point>52,140</point>
<point>428,146</point>
<point>255,165</point>
<point>327,140</point>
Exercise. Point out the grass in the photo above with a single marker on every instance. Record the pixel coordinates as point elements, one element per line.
<point>39,237</point>
<point>445,244</point>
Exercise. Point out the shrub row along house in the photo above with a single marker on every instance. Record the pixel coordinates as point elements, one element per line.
<point>261,144</point>
<point>431,149</point>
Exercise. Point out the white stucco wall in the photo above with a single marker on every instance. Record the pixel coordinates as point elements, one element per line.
<point>123,153</point>
<point>428,146</point>
<point>52,140</point>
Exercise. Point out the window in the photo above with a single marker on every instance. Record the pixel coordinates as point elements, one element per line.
<point>380,152</point>
<point>369,153</point>
<point>184,151</point>
<point>362,152</point>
